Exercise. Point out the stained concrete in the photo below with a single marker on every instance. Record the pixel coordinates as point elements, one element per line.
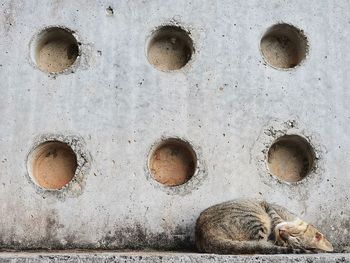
<point>112,107</point>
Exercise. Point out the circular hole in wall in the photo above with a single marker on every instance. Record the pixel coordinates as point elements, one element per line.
<point>169,48</point>
<point>173,162</point>
<point>284,46</point>
<point>290,158</point>
<point>52,164</point>
<point>55,49</point>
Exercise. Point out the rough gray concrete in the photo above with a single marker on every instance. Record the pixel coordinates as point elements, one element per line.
<point>168,257</point>
<point>113,106</point>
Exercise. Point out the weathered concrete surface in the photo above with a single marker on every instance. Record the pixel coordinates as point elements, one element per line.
<point>168,257</point>
<point>114,106</point>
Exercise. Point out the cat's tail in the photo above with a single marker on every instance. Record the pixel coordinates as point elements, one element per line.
<point>226,246</point>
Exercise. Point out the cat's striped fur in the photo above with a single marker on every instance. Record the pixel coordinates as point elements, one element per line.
<point>255,227</point>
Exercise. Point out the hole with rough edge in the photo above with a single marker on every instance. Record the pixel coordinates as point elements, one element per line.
<point>290,158</point>
<point>55,50</point>
<point>173,162</point>
<point>52,165</point>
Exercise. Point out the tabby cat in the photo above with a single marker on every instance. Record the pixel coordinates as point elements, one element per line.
<point>251,226</point>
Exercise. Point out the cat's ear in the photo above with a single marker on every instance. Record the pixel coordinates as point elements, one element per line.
<point>318,236</point>
<point>320,242</point>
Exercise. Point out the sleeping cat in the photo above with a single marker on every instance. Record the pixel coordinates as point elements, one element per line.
<point>251,226</point>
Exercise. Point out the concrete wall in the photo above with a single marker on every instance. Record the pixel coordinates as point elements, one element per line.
<point>112,107</point>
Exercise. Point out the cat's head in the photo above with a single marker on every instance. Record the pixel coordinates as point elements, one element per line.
<point>301,234</point>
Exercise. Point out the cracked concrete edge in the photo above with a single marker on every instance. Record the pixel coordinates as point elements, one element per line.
<point>164,257</point>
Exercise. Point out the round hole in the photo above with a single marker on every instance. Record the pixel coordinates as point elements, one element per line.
<point>173,162</point>
<point>55,49</point>
<point>52,165</point>
<point>169,48</point>
<point>284,46</point>
<point>290,158</point>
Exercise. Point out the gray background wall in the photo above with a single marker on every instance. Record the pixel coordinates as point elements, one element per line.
<point>115,96</point>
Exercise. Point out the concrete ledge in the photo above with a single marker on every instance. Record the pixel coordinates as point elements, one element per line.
<point>74,256</point>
